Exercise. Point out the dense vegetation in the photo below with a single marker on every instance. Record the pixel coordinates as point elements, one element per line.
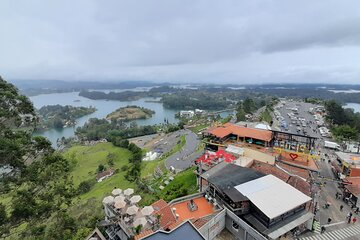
<point>191,100</point>
<point>57,116</point>
<point>96,129</point>
<point>38,190</point>
<point>130,113</point>
<point>120,96</point>
<point>345,122</point>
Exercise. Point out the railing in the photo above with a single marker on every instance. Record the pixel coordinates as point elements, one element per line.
<point>251,231</point>
<point>186,198</point>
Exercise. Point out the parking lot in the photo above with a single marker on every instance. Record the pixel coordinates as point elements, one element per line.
<point>294,117</point>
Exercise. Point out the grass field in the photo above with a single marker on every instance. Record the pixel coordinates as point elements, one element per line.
<point>199,127</point>
<point>87,159</point>
<point>183,184</point>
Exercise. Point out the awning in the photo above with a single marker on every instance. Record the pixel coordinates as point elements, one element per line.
<point>291,225</point>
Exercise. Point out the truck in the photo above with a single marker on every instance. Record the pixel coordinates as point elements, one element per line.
<point>332,145</point>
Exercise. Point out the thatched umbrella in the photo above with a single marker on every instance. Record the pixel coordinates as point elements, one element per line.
<point>128,192</point>
<point>120,204</point>
<point>132,210</point>
<point>148,210</point>
<point>108,200</point>
<point>135,199</point>
<point>116,191</point>
<point>140,221</point>
<point>119,198</point>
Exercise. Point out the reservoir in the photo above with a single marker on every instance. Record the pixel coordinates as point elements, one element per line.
<point>355,106</point>
<point>104,107</point>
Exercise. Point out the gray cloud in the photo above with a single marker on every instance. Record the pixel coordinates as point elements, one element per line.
<point>183,40</point>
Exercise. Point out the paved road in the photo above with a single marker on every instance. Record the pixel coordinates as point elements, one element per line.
<point>351,232</point>
<point>303,110</point>
<point>327,192</point>
<point>186,157</point>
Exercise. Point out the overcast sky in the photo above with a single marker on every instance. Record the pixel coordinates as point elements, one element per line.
<point>181,41</point>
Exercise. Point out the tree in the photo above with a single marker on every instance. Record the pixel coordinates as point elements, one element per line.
<point>249,105</point>
<point>101,168</point>
<point>335,112</point>
<point>111,157</point>
<point>345,132</point>
<point>3,217</point>
<point>40,181</point>
<point>240,115</point>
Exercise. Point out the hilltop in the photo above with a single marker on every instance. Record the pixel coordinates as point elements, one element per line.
<point>129,113</point>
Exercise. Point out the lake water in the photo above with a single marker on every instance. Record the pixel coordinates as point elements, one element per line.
<point>103,108</point>
<point>355,106</point>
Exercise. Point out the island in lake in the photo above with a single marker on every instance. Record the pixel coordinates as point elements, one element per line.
<point>129,113</point>
<point>57,116</point>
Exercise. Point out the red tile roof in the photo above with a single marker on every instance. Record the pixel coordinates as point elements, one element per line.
<point>229,128</point>
<point>198,223</point>
<point>295,170</point>
<point>220,132</point>
<point>300,185</point>
<point>159,204</point>
<point>163,209</point>
<point>270,169</point>
<point>143,234</point>
<point>353,180</point>
<point>294,181</point>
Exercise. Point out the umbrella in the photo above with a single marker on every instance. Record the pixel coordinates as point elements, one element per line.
<point>108,200</point>
<point>135,199</point>
<point>116,191</point>
<point>120,204</point>
<point>119,198</point>
<point>132,210</point>
<point>129,191</point>
<point>146,211</point>
<point>140,221</point>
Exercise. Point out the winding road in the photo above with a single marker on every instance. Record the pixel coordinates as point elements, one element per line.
<point>187,155</point>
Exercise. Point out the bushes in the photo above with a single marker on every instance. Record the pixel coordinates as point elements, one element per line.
<point>85,186</point>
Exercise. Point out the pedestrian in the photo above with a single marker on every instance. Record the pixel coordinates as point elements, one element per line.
<point>337,195</point>
<point>348,219</point>
<point>322,229</point>
<point>329,220</point>
<point>354,220</point>
<point>341,207</point>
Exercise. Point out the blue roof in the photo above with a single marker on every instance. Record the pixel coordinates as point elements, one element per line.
<point>185,231</point>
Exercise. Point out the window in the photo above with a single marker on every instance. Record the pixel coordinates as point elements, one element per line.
<point>235,225</point>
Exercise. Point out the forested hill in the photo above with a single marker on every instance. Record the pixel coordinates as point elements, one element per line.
<point>57,116</point>
<point>37,191</point>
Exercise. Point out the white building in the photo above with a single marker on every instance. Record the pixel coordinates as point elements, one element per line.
<point>187,114</point>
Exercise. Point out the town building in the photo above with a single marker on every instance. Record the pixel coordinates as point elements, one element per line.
<point>187,114</point>
<point>351,193</point>
<point>104,175</point>
<point>184,231</point>
<point>264,202</point>
<point>349,163</point>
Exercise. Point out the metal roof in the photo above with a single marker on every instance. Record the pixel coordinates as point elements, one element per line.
<point>184,231</point>
<point>272,196</point>
<point>225,176</point>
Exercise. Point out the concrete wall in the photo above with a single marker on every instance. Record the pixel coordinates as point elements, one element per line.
<point>212,228</point>
<point>259,156</point>
<point>244,231</point>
